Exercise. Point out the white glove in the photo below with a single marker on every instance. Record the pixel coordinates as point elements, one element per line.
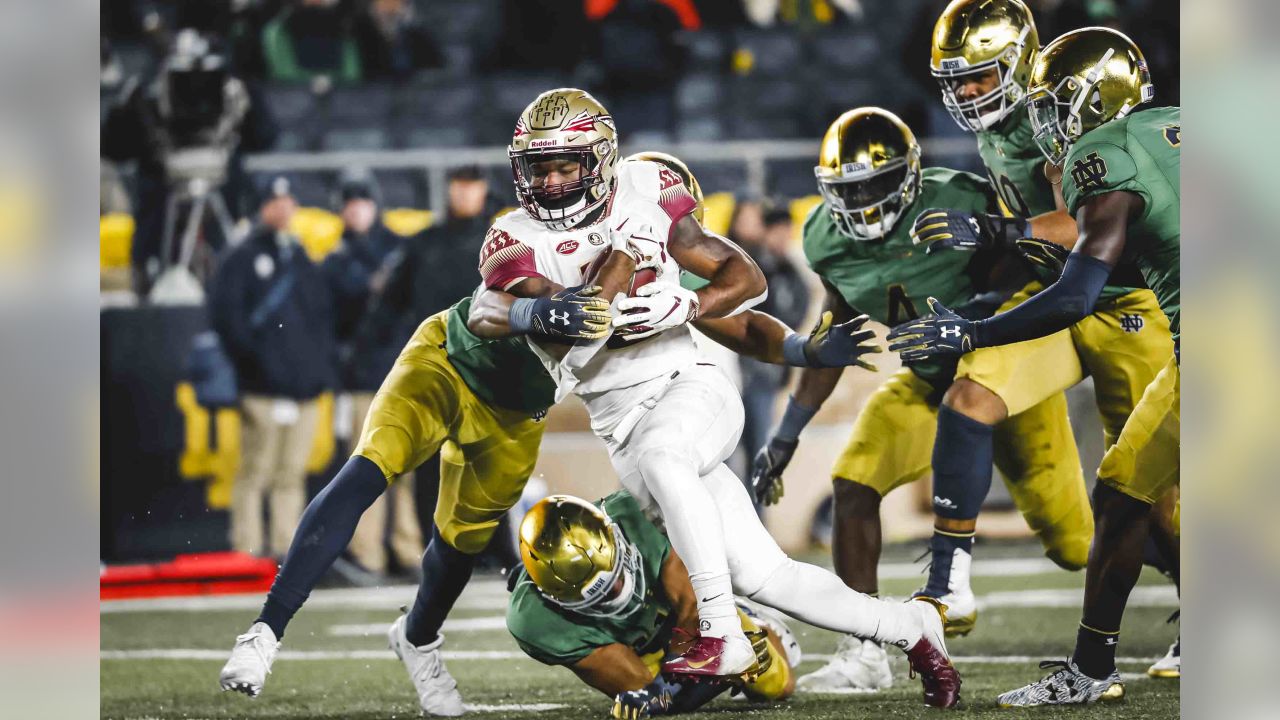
<point>657,307</point>
<point>640,242</point>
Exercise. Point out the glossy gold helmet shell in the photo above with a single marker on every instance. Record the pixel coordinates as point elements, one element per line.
<point>1080,81</point>
<point>868,171</point>
<point>973,37</point>
<point>577,557</point>
<point>676,165</point>
<point>569,123</point>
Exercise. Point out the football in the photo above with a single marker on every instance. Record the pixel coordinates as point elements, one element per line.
<point>642,277</point>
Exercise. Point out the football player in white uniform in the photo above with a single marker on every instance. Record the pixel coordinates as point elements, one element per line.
<point>668,420</point>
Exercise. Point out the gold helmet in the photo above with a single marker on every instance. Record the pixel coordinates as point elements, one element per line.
<point>676,165</point>
<point>974,37</point>
<point>1082,80</point>
<point>868,171</point>
<point>569,126</point>
<point>579,559</point>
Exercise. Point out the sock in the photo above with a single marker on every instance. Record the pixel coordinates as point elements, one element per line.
<point>1095,653</point>
<point>323,533</point>
<point>816,596</point>
<point>962,461</point>
<point>445,572</point>
<point>717,614</point>
<point>948,568</point>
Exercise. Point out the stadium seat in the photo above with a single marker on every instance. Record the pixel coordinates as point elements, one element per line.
<point>297,110</point>
<point>698,94</point>
<point>847,52</point>
<point>773,53</point>
<point>402,188</point>
<point>435,112</point>
<point>707,48</point>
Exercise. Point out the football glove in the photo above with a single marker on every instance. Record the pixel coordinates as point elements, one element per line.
<point>638,241</point>
<point>572,314</point>
<point>656,307</point>
<point>766,470</point>
<point>645,702</point>
<point>840,345</point>
<point>1045,254</point>
<point>943,333</point>
<point>941,229</point>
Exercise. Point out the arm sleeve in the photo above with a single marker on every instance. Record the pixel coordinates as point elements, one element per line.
<point>1059,306</point>
<point>505,261</point>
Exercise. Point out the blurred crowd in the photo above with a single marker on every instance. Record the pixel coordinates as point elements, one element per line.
<point>190,87</point>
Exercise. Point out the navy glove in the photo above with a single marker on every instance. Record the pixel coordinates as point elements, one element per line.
<point>1045,254</point>
<point>832,345</point>
<point>766,469</point>
<point>654,699</point>
<point>942,229</point>
<point>572,314</point>
<point>943,333</point>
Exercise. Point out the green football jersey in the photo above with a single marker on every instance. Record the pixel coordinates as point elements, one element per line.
<point>1141,154</point>
<point>890,279</point>
<point>555,636</point>
<point>504,373</point>
<point>1016,168</point>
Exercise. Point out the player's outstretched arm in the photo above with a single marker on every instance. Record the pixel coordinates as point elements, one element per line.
<point>815,386</point>
<point>1103,221</point>
<point>765,338</point>
<point>736,282</point>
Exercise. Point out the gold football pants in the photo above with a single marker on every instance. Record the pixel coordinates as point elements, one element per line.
<point>1143,463</point>
<point>892,444</point>
<point>486,453</point>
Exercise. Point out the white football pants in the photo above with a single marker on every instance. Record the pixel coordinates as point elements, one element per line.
<point>673,458</point>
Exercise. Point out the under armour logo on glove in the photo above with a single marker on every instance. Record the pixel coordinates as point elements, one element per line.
<point>571,314</point>
<point>562,318</point>
<point>943,333</point>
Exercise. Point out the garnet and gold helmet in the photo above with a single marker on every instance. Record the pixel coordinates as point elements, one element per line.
<point>579,559</point>
<point>563,125</point>
<point>677,166</point>
<point>1081,80</point>
<point>973,37</point>
<point>868,171</point>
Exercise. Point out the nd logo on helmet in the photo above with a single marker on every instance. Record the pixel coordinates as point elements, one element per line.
<point>549,113</point>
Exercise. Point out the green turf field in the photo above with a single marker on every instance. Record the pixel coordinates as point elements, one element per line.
<point>161,658</point>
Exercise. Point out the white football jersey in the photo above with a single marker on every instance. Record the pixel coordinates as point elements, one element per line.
<point>648,199</point>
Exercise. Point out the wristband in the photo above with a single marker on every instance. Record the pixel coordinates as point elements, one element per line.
<point>793,350</point>
<point>794,420</point>
<point>520,316</point>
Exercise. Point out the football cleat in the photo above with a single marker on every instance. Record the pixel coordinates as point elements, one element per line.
<point>437,690</point>
<point>1064,686</point>
<point>929,659</point>
<point>961,604</point>
<point>857,666</point>
<point>1170,666</point>
<point>713,657</point>
<point>247,669</point>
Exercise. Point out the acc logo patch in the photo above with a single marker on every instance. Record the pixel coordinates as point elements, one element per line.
<point>1088,172</point>
<point>595,239</point>
<point>568,247</point>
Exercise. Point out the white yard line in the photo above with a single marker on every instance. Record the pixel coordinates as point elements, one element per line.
<point>491,593</point>
<point>477,708</point>
<point>315,655</point>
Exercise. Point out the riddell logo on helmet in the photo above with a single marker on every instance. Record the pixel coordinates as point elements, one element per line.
<point>568,247</point>
<point>544,143</point>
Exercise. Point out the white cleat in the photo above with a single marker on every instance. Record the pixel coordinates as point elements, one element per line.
<point>857,666</point>
<point>1168,667</point>
<point>962,611</point>
<point>247,669</point>
<point>437,690</point>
